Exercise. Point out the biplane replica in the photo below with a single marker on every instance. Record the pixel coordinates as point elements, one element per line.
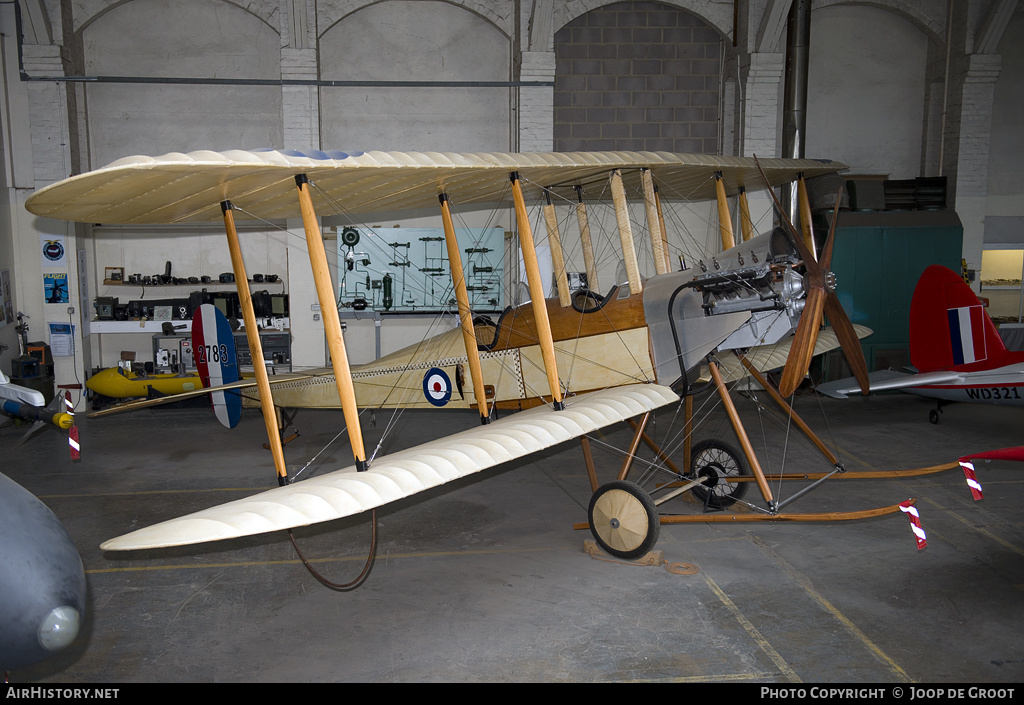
<point>569,365</point>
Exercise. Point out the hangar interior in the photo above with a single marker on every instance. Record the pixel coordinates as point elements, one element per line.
<point>920,102</point>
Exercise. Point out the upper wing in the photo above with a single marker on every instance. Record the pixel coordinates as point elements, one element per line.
<point>346,492</point>
<point>179,188</point>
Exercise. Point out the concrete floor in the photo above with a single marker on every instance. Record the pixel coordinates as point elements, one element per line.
<point>486,580</point>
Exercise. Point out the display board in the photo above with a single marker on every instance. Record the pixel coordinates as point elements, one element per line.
<point>406,270</point>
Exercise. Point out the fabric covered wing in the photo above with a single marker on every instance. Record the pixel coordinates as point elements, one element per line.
<point>392,477</point>
<point>179,188</point>
<point>772,357</point>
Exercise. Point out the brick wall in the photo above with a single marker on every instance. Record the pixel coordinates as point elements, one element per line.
<point>637,76</point>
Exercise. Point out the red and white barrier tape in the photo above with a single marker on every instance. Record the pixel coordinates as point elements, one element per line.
<point>910,510</point>
<point>972,481</point>
<point>73,443</point>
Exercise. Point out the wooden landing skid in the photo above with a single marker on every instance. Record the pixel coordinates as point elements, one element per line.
<point>284,419</point>
<point>849,475</point>
<point>782,516</point>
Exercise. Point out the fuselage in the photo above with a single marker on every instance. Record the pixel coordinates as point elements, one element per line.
<point>1003,385</point>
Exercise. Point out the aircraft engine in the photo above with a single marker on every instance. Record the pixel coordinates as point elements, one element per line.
<point>743,297</point>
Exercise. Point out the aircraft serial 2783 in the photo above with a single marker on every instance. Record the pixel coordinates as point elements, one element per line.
<point>573,364</point>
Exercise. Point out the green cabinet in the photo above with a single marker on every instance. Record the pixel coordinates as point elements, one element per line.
<point>877,259</point>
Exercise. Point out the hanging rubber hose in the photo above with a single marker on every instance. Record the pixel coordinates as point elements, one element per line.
<point>366,568</point>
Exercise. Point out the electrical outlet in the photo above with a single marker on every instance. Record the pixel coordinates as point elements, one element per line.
<point>71,310</point>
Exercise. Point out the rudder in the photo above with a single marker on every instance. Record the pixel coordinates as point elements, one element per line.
<point>948,324</point>
<point>213,347</point>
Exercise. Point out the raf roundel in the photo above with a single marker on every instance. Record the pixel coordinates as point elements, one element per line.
<point>437,387</point>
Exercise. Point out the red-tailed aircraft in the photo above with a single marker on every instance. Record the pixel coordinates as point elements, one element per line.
<point>955,347</point>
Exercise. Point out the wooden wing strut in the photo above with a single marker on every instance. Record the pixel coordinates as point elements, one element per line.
<point>465,315</point>
<point>585,241</point>
<point>557,255</point>
<point>332,323</point>
<point>746,225</point>
<point>724,217</point>
<point>540,310</point>
<point>654,224</point>
<point>252,334</point>
<point>625,233</point>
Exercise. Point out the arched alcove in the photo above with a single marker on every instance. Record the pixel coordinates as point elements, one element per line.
<point>638,76</point>
<point>866,90</point>
<point>195,40</point>
<point>386,44</point>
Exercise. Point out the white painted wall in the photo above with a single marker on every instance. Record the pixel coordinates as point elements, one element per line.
<point>415,41</point>
<point>1006,166</point>
<point>866,84</point>
<point>180,39</point>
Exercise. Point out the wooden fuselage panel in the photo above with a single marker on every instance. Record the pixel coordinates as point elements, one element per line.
<point>517,326</point>
<point>594,350</point>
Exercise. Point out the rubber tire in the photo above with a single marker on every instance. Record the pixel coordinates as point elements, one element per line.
<point>735,465</point>
<point>624,519</point>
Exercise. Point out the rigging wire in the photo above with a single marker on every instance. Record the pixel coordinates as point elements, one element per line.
<point>607,237</point>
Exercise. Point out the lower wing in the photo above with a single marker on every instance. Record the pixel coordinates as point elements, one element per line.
<point>770,357</point>
<point>395,476</point>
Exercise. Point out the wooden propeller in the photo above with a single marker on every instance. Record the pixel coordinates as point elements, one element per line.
<point>820,298</point>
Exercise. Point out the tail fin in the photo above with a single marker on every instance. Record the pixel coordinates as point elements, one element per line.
<point>949,327</point>
<point>213,348</point>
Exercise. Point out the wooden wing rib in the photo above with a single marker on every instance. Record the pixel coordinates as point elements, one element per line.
<point>180,188</point>
<point>392,477</point>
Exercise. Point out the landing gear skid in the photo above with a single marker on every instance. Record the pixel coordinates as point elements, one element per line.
<point>284,419</point>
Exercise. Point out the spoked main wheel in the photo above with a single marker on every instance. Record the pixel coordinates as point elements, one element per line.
<point>623,519</point>
<point>712,463</point>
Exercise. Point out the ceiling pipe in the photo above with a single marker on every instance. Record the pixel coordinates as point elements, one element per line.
<point>794,107</point>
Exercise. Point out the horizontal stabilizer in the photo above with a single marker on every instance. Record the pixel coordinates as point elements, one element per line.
<point>19,394</point>
<point>886,380</point>
<point>392,477</point>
